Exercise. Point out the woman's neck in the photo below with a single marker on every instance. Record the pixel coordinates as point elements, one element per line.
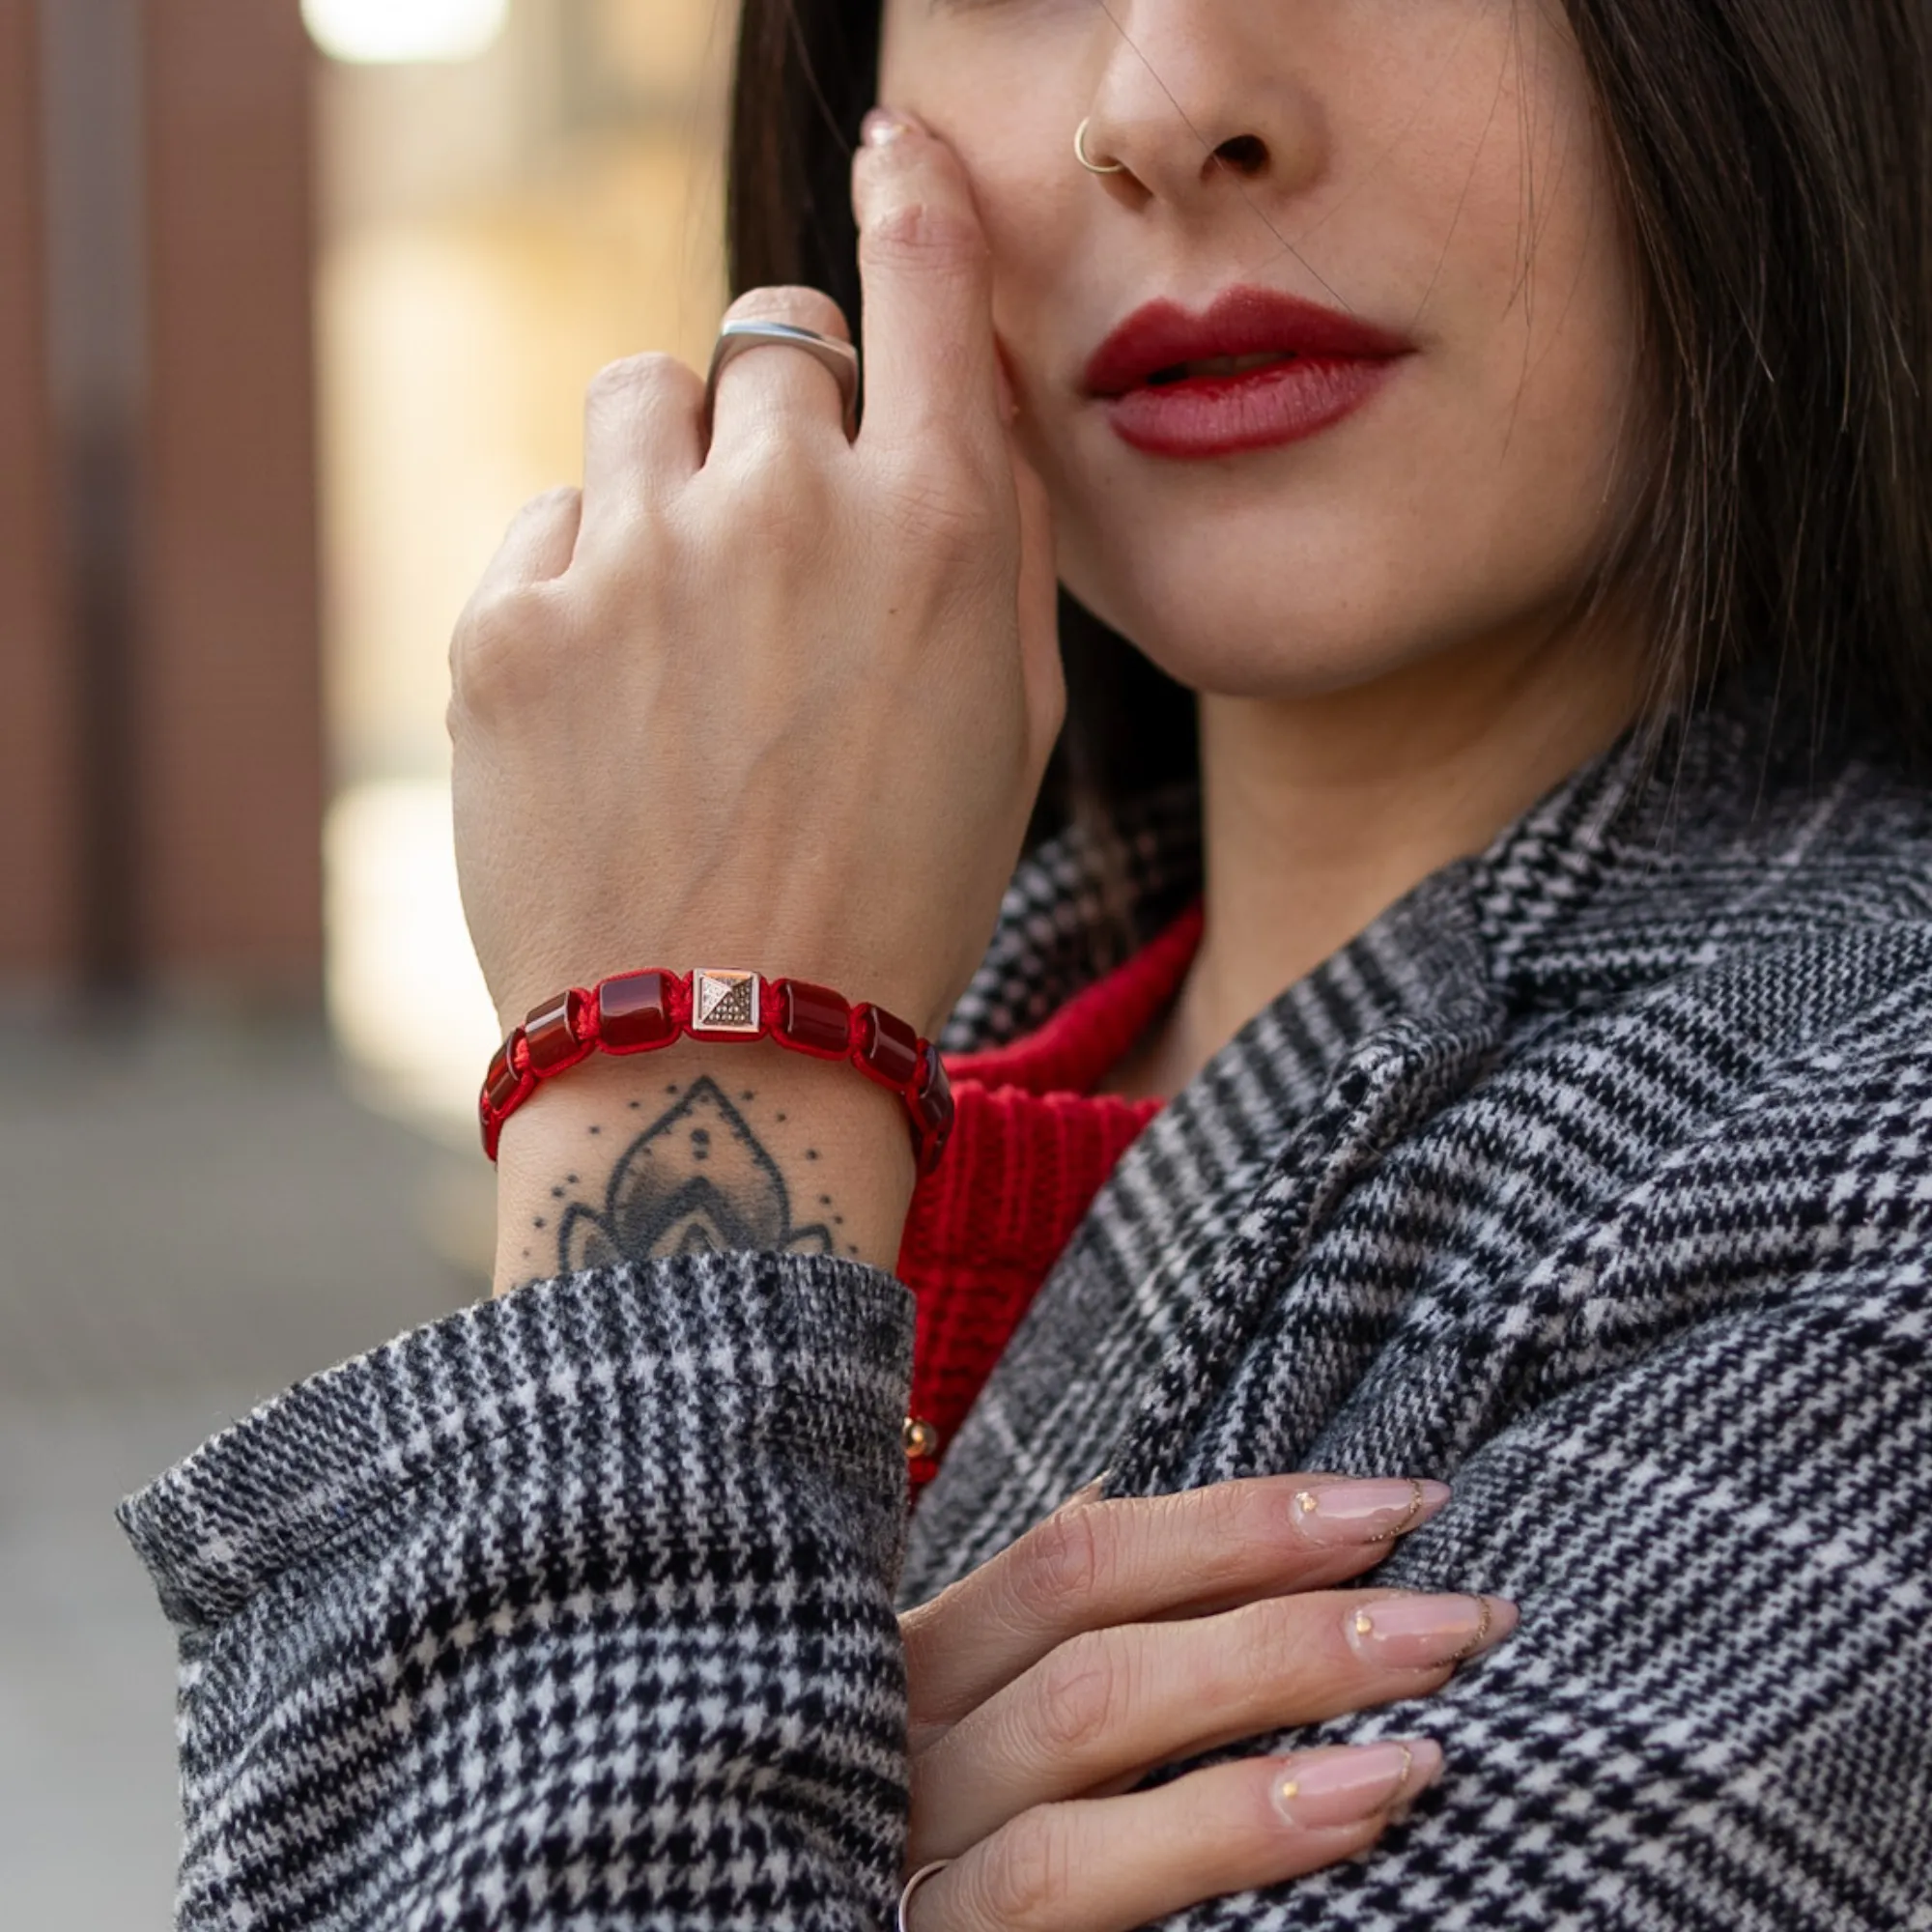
<point>1319,813</point>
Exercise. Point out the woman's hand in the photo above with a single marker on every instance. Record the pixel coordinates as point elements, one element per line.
<point>783,700</point>
<point>1120,1637</point>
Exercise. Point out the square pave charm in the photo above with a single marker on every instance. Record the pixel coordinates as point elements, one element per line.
<point>724,1001</point>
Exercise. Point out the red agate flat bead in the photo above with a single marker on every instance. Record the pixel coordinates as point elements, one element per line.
<point>634,1012</point>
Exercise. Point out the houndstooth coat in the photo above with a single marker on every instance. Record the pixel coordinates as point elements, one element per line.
<point>1593,1178</point>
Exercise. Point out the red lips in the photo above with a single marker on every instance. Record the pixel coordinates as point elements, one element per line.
<point>1323,366</point>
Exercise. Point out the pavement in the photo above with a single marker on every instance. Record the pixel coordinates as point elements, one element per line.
<point>193,1215</point>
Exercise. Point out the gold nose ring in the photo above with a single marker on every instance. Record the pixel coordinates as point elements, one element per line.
<point>1080,153</point>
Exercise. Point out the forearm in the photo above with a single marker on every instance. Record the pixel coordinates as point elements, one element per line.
<point>701,1148</point>
<point>574,1605</point>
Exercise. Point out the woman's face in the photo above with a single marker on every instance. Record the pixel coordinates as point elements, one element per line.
<point>1439,466</point>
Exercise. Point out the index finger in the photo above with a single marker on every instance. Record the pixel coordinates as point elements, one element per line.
<point>928,347</point>
<point>1091,1565</point>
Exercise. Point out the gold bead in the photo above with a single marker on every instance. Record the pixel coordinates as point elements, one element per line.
<point>922,1440</point>
<point>1365,1624</point>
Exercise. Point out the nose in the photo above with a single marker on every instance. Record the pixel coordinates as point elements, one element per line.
<point>1194,100</point>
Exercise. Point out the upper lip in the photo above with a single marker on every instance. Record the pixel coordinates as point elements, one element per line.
<point>1242,322</point>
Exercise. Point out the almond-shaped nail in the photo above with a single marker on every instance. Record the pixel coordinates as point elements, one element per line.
<point>1425,1633</point>
<point>883,126</point>
<point>1092,1491</point>
<point>1372,1510</point>
<point>1323,1789</point>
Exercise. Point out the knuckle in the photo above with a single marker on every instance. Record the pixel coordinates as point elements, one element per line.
<point>1264,1647</point>
<point>801,307</point>
<point>1212,1531</point>
<point>942,508</point>
<point>498,656</point>
<point>636,382</point>
<point>1222,1508</point>
<point>777,493</point>
<point>1079,1694</point>
<point>1062,1561</point>
<point>1024,1876</point>
<point>932,236</point>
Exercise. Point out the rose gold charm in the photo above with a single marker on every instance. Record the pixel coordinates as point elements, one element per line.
<point>724,1001</point>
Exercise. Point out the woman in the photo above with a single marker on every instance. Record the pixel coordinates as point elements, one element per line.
<point>1501,427</point>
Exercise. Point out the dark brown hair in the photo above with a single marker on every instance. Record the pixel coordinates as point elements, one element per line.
<point>1774,163</point>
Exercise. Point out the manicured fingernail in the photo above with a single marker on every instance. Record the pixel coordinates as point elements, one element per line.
<point>1425,1633</point>
<point>883,125</point>
<point>1087,1493</point>
<point>1345,1786</point>
<point>1374,1511</point>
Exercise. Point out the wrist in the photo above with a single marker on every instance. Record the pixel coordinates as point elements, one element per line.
<point>646,1010</point>
<point>696,1147</point>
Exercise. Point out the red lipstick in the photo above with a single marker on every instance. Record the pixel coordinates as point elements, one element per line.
<point>1258,370</point>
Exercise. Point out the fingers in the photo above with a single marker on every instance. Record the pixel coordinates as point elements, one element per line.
<point>538,545</point>
<point>640,441</point>
<point>1112,1864</point>
<point>774,389</point>
<point>929,357</point>
<point>1114,1702</point>
<point>1098,1564</point>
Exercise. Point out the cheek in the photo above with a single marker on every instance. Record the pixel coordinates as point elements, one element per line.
<point>1531,279</point>
<point>1005,106</point>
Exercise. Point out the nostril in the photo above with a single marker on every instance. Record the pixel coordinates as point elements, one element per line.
<point>1245,153</point>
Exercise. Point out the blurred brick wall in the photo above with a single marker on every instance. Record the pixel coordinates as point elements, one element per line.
<point>160,728</point>
<point>38,846</point>
<point>229,694</point>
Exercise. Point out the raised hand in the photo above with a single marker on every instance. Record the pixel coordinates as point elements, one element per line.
<point>784,697</point>
<point>780,701</point>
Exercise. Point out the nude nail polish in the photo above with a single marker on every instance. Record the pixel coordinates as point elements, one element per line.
<point>1375,1510</point>
<point>1425,1633</point>
<point>1093,1491</point>
<point>883,126</point>
<point>1324,1789</point>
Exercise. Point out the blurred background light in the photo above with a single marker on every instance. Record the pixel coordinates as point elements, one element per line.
<point>384,32</point>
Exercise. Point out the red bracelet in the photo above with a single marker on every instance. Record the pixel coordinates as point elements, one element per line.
<point>637,1013</point>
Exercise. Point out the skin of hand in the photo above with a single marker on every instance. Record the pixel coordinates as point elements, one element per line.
<point>1118,1638</point>
<point>779,701</point>
<point>784,699</point>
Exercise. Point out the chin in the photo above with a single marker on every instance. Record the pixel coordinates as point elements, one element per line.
<point>1267,641</point>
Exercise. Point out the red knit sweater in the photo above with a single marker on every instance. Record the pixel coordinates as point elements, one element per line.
<point>1032,1147</point>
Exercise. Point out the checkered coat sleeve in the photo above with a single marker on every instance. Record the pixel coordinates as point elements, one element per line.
<point>1596,1177</point>
<point>572,1610</point>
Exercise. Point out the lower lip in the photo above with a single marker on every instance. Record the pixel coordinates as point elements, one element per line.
<point>1226,415</point>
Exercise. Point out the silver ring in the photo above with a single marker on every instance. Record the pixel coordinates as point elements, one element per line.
<point>913,1884</point>
<point>1080,153</point>
<point>840,357</point>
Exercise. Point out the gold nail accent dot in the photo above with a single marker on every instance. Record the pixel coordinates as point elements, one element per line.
<point>922,1439</point>
<point>1291,1790</point>
<point>1307,1501</point>
<point>1365,1625</point>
